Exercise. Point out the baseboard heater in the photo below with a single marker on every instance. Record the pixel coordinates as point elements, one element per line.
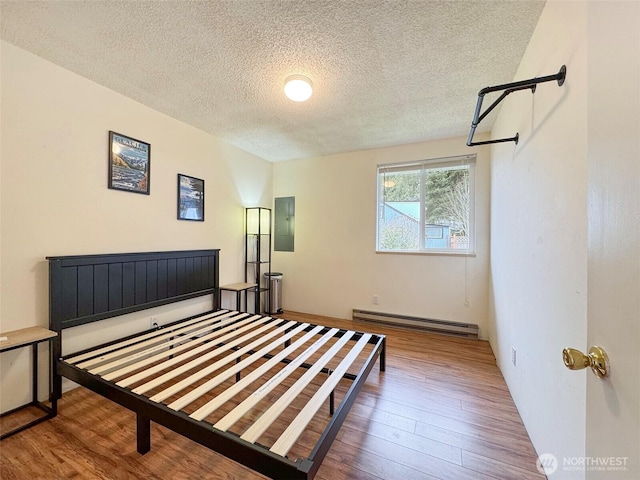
<point>468,330</point>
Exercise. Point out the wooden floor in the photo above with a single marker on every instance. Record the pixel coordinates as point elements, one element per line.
<point>441,410</point>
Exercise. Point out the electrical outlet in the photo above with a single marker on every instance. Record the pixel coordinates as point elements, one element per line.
<point>513,356</point>
<point>375,299</point>
<point>153,323</point>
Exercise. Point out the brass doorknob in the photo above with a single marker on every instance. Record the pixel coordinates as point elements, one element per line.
<point>597,359</point>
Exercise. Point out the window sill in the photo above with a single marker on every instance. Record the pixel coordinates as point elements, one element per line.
<point>426,252</point>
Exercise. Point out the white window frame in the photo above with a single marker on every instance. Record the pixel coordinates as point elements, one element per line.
<point>425,165</point>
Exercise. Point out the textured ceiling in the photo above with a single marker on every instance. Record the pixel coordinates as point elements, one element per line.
<point>384,72</point>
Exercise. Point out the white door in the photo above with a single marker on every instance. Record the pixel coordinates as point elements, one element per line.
<point>613,306</point>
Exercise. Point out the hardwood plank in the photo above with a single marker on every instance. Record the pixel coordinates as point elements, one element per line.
<point>374,466</point>
<point>408,457</point>
<point>492,467</point>
<point>389,398</point>
<point>391,419</point>
<point>459,420</point>
<point>494,434</point>
<point>517,455</point>
<point>346,471</point>
<point>19,418</point>
<point>439,449</point>
<point>497,413</point>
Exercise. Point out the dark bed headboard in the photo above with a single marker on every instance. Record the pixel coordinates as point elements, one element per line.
<point>88,288</point>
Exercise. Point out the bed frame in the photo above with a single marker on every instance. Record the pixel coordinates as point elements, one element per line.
<point>90,288</point>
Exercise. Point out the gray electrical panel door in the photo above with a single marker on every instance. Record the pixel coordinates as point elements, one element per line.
<point>285,208</point>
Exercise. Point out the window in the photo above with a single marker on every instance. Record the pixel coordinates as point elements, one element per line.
<point>427,206</point>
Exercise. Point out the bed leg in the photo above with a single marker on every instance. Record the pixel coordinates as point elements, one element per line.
<point>55,380</point>
<point>383,355</point>
<point>332,402</point>
<point>143,433</point>
<point>332,396</point>
<point>55,385</point>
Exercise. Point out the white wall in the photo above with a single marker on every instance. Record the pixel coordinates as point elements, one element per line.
<point>55,200</point>
<point>538,232</point>
<point>335,268</point>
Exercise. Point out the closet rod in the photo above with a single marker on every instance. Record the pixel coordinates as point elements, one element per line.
<point>508,88</point>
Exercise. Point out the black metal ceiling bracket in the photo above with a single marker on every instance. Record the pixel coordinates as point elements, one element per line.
<point>508,88</point>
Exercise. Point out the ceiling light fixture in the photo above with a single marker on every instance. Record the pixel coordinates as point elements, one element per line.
<point>298,88</point>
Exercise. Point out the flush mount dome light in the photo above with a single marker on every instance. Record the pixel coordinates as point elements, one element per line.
<point>297,88</point>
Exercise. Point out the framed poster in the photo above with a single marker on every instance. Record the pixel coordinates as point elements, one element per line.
<point>190,198</point>
<point>129,164</point>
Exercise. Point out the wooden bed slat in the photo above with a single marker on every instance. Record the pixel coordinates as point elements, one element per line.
<point>222,348</point>
<point>218,379</point>
<point>194,377</point>
<point>238,412</point>
<point>158,343</point>
<point>74,359</point>
<point>160,337</point>
<point>251,322</point>
<point>230,392</point>
<point>260,426</point>
<point>155,338</point>
<point>297,426</point>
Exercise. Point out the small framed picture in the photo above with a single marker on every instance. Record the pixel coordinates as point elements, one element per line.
<point>190,198</point>
<point>129,164</point>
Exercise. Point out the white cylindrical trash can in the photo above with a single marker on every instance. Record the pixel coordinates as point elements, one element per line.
<point>275,292</point>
